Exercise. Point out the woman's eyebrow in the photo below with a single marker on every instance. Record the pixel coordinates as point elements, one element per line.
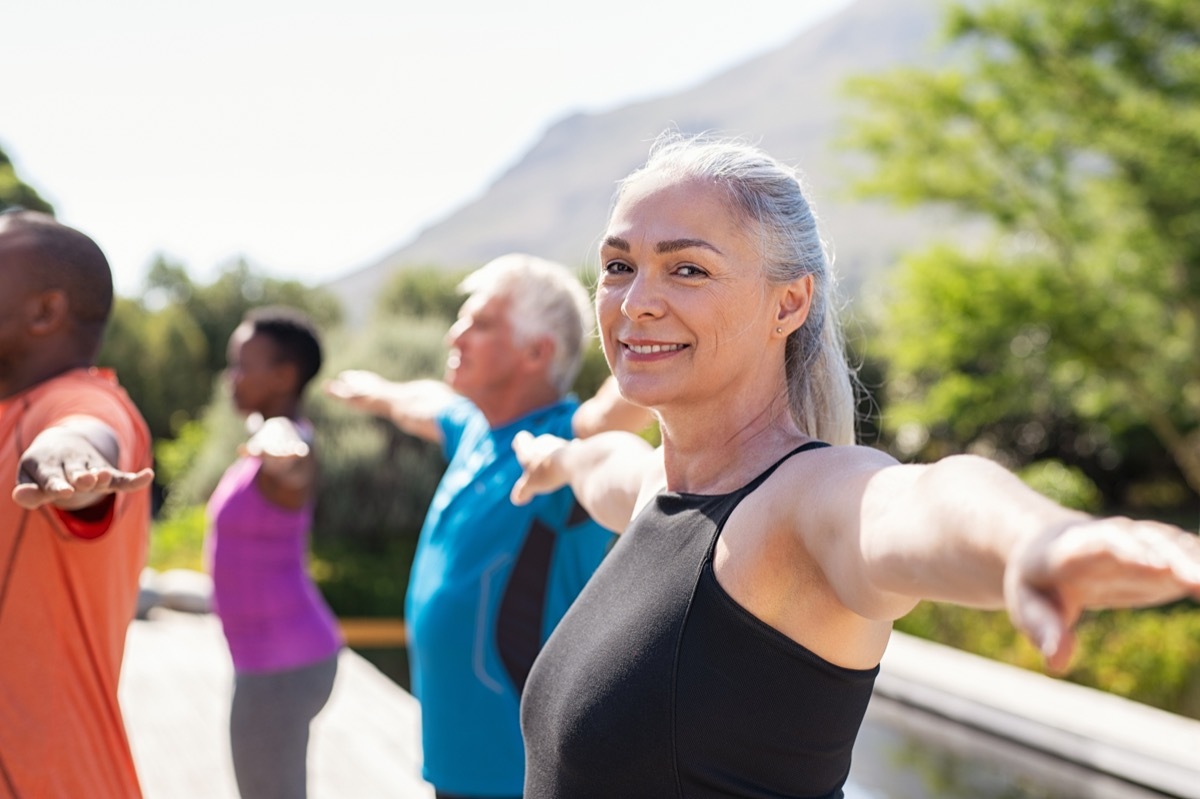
<point>672,245</point>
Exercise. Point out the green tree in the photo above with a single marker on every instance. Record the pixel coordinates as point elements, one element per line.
<point>218,307</point>
<point>421,293</point>
<point>14,191</point>
<point>168,282</point>
<point>169,346</point>
<point>1073,127</point>
<point>161,359</point>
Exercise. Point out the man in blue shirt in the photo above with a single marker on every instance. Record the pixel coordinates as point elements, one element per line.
<point>490,580</point>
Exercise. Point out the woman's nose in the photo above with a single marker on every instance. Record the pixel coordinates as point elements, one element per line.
<point>643,297</point>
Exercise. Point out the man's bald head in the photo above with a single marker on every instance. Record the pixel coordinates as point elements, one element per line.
<point>55,297</point>
<point>54,256</point>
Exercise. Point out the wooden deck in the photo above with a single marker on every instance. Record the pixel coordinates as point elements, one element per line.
<point>177,677</point>
<point>175,689</point>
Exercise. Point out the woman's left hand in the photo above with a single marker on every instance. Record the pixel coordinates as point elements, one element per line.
<point>1098,563</point>
<point>277,438</point>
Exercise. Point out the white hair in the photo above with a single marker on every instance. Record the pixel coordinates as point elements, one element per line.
<point>544,299</point>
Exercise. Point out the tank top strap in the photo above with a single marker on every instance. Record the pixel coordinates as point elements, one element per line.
<point>770,470</point>
<point>724,505</point>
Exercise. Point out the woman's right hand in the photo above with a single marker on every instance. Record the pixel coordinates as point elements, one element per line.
<point>541,459</point>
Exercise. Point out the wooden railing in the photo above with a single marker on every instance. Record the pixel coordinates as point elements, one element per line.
<point>373,632</point>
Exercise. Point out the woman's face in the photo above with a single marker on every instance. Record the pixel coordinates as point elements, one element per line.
<point>254,372</point>
<point>682,304</point>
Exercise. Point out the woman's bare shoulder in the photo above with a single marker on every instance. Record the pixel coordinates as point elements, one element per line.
<point>837,460</point>
<point>820,487</point>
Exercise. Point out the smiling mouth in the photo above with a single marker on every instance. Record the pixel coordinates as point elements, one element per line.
<point>651,349</point>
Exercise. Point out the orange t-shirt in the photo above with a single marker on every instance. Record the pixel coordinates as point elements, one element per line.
<point>66,600</point>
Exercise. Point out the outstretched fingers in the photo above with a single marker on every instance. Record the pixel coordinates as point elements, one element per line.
<point>46,486</point>
<point>355,385</point>
<point>1098,563</point>
<point>124,482</point>
<point>278,438</point>
<point>1046,623</point>
<point>1119,562</point>
<point>540,459</point>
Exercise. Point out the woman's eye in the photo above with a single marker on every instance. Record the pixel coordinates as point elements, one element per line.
<point>690,270</point>
<point>617,267</point>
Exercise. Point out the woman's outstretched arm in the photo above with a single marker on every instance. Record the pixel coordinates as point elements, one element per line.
<point>608,472</point>
<point>968,531</point>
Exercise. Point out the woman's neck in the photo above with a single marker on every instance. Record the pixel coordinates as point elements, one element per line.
<point>708,452</point>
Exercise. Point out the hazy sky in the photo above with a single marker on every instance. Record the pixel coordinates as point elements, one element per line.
<point>314,138</point>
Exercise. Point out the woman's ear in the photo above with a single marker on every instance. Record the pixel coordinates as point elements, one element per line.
<point>286,377</point>
<point>795,301</point>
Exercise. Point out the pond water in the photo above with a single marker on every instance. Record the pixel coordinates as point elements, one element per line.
<point>903,752</point>
<point>906,753</point>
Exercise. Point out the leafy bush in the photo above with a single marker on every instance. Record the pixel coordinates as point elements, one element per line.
<point>177,541</point>
<point>360,583</point>
<point>1150,656</point>
<point>1064,484</point>
<point>421,293</point>
<point>376,483</point>
<point>191,464</point>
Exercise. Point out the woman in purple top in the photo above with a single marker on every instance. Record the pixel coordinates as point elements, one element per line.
<point>283,638</point>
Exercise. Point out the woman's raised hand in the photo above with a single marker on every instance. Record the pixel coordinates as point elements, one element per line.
<point>541,458</point>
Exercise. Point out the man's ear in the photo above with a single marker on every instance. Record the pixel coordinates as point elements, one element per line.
<point>539,353</point>
<point>795,301</point>
<point>48,312</point>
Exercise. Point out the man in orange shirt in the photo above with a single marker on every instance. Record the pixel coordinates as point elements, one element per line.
<point>74,522</point>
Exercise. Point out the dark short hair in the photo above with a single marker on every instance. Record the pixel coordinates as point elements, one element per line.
<point>294,335</point>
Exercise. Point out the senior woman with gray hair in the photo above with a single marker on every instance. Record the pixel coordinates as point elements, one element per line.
<point>728,645</point>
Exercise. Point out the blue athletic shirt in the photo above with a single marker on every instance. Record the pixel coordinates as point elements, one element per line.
<point>489,582</point>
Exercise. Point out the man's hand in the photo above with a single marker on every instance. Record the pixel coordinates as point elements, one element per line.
<point>412,405</point>
<point>1099,563</point>
<point>361,389</point>
<point>72,467</point>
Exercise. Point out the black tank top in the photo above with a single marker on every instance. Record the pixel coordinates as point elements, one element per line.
<point>657,684</point>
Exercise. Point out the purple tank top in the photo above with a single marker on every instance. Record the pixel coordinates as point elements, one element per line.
<point>273,616</point>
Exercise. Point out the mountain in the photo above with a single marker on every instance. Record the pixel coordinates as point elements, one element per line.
<point>554,201</point>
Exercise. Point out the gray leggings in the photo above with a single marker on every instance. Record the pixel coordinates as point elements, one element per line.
<point>268,728</point>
